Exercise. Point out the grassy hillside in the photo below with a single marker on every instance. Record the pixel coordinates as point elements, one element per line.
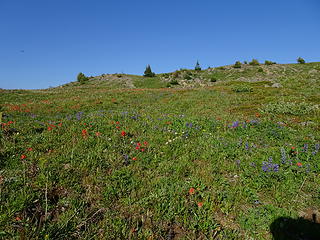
<point>222,153</point>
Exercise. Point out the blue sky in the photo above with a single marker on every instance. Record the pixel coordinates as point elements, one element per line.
<point>47,43</point>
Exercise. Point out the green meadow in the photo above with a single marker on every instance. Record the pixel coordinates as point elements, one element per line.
<point>220,153</point>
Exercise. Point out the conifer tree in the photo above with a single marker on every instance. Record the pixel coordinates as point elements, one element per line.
<point>148,72</point>
<point>197,67</point>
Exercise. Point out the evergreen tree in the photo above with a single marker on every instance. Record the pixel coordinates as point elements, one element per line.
<point>82,78</point>
<point>301,60</point>
<point>148,72</point>
<point>197,67</point>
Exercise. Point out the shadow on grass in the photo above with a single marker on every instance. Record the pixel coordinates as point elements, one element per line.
<point>285,228</point>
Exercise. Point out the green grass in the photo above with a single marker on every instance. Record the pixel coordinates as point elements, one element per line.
<point>159,163</point>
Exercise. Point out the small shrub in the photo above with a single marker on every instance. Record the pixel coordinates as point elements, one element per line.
<point>82,78</point>
<point>301,60</point>
<point>260,69</point>
<point>174,82</point>
<point>221,68</point>
<point>267,62</point>
<point>245,62</point>
<point>254,62</point>
<point>187,75</point>
<point>213,79</point>
<point>148,72</point>
<point>292,108</point>
<point>242,88</point>
<point>176,74</point>
<point>237,64</point>
<point>166,75</point>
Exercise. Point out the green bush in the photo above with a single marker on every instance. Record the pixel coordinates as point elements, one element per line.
<point>267,62</point>
<point>148,72</point>
<point>254,62</point>
<point>82,78</point>
<point>221,68</point>
<point>174,82</point>
<point>237,64</point>
<point>245,62</point>
<point>260,69</point>
<point>213,79</point>
<point>301,60</point>
<point>242,88</point>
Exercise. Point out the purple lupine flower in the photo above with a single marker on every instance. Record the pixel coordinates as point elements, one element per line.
<point>79,115</point>
<point>238,162</point>
<point>308,168</point>
<point>33,115</point>
<point>189,125</point>
<point>240,142</point>
<point>247,146</point>
<point>275,167</point>
<point>126,159</point>
<point>305,147</point>
<point>254,122</point>
<point>283,156</point>
<point>69,117</point>
<point>235,124</point>
<point>265,166</point>
<point>317,147</point>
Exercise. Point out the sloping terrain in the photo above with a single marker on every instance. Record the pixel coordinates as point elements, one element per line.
<point>223,153</point>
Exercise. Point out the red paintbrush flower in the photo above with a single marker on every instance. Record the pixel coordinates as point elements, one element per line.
<point>192,191</point>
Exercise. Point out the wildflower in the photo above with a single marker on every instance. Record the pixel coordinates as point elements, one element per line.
<point>117,122</point>
<point>283,156</point>
<point>84,133</point>
<point>275,167</point>
<point>299,164</point>
<point>235,124</point>
<point>200,204</point>
<point>29,149</point>
<point>258,115</point>
<point>134,158</point>
<point>98,134</point>
<point>247,146</point>
<point>137,147</point>
<point>49,128</point>
<point>18,218</point>
<point>23,156</point>
<point>79,115</point>
<point>293,148</point>
<point>257,202</point>
<point>145,143</point>
<point>123,133</point>
<point>142,149</point>
<point>191,191</point>
<point>117,127</point>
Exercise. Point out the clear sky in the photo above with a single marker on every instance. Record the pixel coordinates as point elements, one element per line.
<point>48,42</point>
